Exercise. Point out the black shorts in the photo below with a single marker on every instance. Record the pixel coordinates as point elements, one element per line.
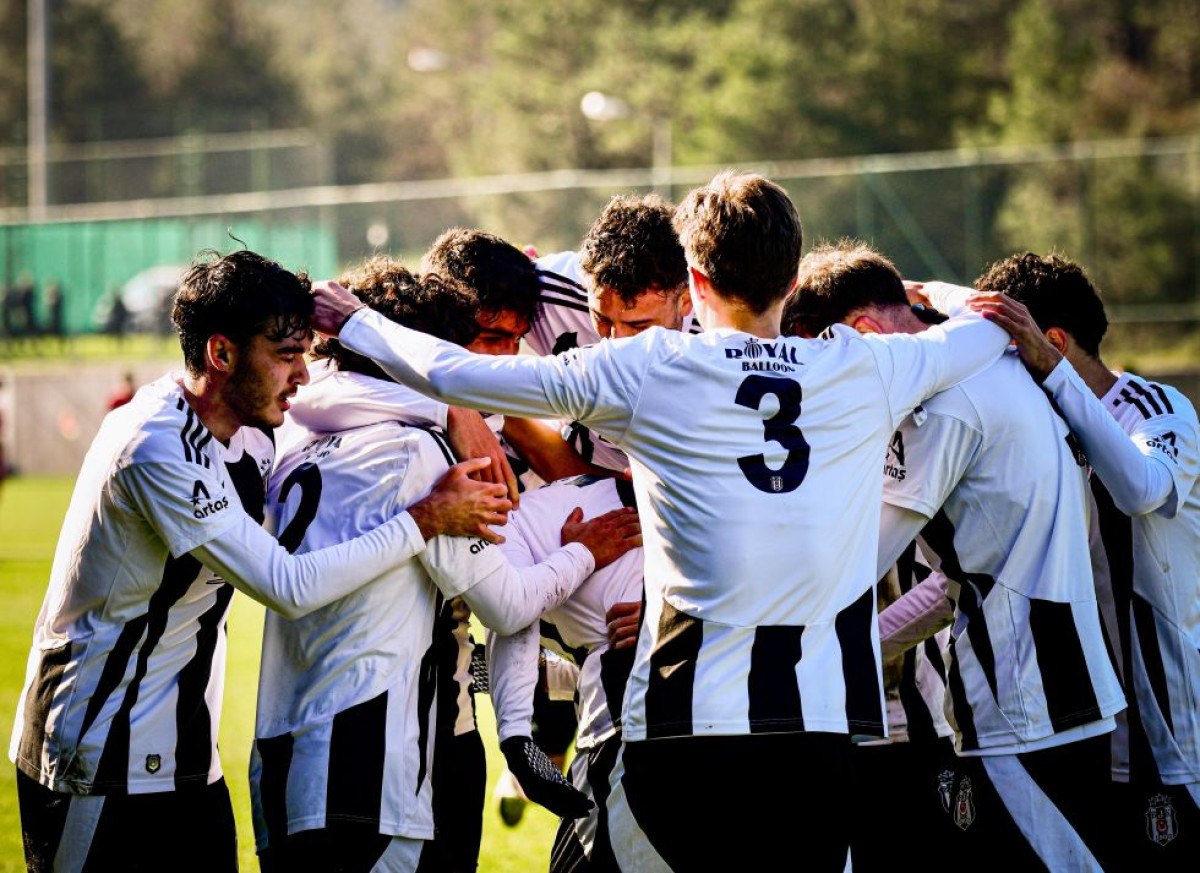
<point>1156,827</point>
<point>186,830</point>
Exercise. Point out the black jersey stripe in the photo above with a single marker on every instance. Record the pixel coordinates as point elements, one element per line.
<point>113,768</point>
<point>114,669</point>
<point>772,687</point>
<point>626,493</point>
<point>551,279</point>
<point>1151,651</point>
<point>668,701</point>
<point>448,686</point>
<point>615,667</point>
<point>39,700</point>
<point>921,728</point>
<point>964,720</point>
<point>551,634</point>
<point>565,304</point>
<point>1116,535</point>
<point>860,667</point>
<point>357,749</point>
<point>193,720</point>
<point>1128,397</point>
<point>1162,395</point>
<point>203,438</point>
<point>276,756</point>
<point>1149,398</point>
<point>248,483</point>
<point>440,439</point>
<point>427,683</point>
<point>1066,681</point>
<point>188,424</point>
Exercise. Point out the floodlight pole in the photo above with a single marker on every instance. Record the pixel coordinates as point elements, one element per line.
<point>38,118</point>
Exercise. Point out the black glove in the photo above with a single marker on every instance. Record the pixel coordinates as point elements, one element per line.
<point>541,781</point>
<point>481,682</point>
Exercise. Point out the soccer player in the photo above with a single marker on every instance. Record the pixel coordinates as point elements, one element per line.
<point>115,736</point>
<point>984,472</point>
<point>755,464</point>
<point>1141,439</point>
<point>341,773</point>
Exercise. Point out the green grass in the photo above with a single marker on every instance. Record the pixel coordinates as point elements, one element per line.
<point>43,352</point>
<point>31,510</point>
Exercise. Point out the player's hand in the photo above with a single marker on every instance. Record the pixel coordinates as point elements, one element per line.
<point>1038,354</point>
<point>459,506</point>
<point>541,781</point>
<point>470,437</point>
<point>607,536</point>
<point>334,304</point>
<point>623,621</point>
<point>916,292</point>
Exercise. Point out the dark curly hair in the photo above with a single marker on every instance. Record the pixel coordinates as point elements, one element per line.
<point>742,231</point>
<point>836,279</point>
<point>1057,292</point>
<point>632,248</point>
<point>497,274</point>
<point>239,296</point>
<point>429,304</point>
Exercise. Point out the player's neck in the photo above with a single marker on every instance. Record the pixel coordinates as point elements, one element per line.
<point>1093,372</point>
<point>724,313</point>
<point>205,399</point>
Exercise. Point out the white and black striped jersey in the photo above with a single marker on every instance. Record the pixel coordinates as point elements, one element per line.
<point>346,705</point>
<point>1144,482</point>
<point>989,464</point>
<point>760,526</point>
<point>563,322</point>
<point>576,629</point>
<point>916,703</point>
<point>124,681</point>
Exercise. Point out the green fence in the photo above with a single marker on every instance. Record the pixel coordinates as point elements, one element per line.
<point>89,260</point>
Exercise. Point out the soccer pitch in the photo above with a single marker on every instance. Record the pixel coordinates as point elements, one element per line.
<point>31,511</point>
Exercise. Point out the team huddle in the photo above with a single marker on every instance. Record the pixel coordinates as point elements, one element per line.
<point>839,570</point>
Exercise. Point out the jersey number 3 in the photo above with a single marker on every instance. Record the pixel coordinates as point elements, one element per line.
<point>780,427</point>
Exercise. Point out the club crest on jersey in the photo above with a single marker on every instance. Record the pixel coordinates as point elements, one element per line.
<point>964,805</point>
<point>153,764</point>
<point>945,787</point>
<point>1161,824</point>
<point>764,357</point>
<point>202,503</point>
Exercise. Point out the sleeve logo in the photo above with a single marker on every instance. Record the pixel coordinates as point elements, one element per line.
<point>893,462</point>
<point>1165,443</point>
<point>202,503</point>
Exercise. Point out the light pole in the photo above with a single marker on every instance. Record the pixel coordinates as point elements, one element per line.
<point>598,106</point>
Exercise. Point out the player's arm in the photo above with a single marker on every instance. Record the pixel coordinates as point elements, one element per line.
<point>226,540</point>
<point>586,385</point>
<point>507,598</point>
<point>918,614</point>
<point>1142,472</point>
<point>550,456</point>
<point>917,366</point>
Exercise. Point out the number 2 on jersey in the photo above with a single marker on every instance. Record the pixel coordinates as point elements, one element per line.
<point>308,477</point>
<point>781,428</point>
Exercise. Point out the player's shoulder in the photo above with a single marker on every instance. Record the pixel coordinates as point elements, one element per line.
<point>1153,399</point>
<point>159,426</point>
<point>561,271</point>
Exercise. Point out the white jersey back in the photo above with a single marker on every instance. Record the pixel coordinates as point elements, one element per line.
<point>760,519</point>
<point>989,463</point>
<point>124,681</point>
<point>577,629</point>
<point>346,700</point>
<point>1153,566</point>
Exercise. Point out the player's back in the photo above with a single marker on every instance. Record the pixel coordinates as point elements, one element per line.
<point>345,716</point>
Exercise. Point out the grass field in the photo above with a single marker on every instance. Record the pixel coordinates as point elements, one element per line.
<point>31,510</point>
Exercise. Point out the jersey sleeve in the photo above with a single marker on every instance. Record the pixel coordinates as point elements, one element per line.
<point>1145,470</point>
<point>187,505</point>
<point>917,366</point>
<point>595,385</point>
<point>513,674</point>
<point>504,597</point>
<point>929,453</point>
<point>255,563</point>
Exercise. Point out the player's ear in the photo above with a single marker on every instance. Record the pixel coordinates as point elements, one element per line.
<point>1058,338</point>
<point>221,353</point>
<point>700,285</point>
<point>685,303</point>
<point>864,324</point>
